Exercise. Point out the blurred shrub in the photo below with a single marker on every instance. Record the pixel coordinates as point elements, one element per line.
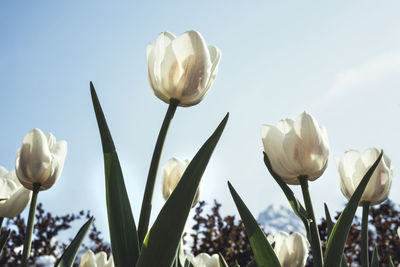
<point>211,233</point>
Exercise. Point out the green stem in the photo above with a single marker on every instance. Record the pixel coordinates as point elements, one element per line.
<point>29,229</point>
<point>364,235</point>
<point>315,239</point>
<point>151,178</point>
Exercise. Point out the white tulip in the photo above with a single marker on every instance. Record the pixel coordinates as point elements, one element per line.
<point>172,174</point>
<point>182,67</point>
<point>17,197</point>
<point>296,148</point>
<point>89,259</point>
<point>40,160</point>
<point>291,250</point>
<point>204,260</point>
<point>355,165</point>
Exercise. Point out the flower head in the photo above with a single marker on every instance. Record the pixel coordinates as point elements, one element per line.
<point>172,174</point>
<point>16,196</point>
<point>354,166</point>
<point>204,260</point>
<point>291,250</point>
<point>40,160</point>
<point>182,67</point>
<point>89,259</point>
<point>296,148</point>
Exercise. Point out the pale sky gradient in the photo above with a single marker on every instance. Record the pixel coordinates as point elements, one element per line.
<point>338,60</point>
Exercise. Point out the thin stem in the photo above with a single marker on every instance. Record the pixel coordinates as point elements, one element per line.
<point>1,222</point>
<point>29,229</point>
<point>364,235</point>
<point>315,239</point>
<point>151,178</point>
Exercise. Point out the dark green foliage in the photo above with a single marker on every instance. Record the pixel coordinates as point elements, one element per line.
<point>47,229</point>
<point>216,234</point>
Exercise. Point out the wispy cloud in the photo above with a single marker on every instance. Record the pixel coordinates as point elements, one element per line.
<point>373,71</point>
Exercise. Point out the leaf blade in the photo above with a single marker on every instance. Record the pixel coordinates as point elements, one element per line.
<point>123,231</point>
<point>160,244</point>
<point>338,237</point>
<point>262,249</point>
<point>68,257</point>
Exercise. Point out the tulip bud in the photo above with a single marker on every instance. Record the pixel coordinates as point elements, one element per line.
<point>182,67</point>
<point>296,148</point>
<point>291,250</point>
<point>40,160</point>
<point>355,165</point>
<point>89,259</point>
<point>172,174</point>
<point>204,260</point>
<point>16,196</point>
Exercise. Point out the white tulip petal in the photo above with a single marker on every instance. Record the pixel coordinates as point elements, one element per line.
<point>356,165</point>
<point>272,139</point>
<point>291,250</point>
<point>173,171</point>
<point>194,62</point>
<point>40,159</point>
<point>182,67</point>
<point>89,259</point>
<point>16,203</point>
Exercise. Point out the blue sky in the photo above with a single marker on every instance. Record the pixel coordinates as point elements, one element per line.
<point>340,61</point>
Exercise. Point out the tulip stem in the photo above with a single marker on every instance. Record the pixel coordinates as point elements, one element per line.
<point>29,229</point>
<point>364,235</point>
<point>151,178</point>
<point>315,239</point>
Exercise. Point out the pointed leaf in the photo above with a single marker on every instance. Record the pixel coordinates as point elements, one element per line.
<point>375,258</point>
<point>160,244</point>
<point>338,237</point>
<point>68,257</point>
<point>222,262</point>
<point>330,225</point>
<point>262,250</point>
<point>3,239</point>
<point>298,209</point>
<point>188,264</point>
<point>123,233</point>
<point>391,264</point>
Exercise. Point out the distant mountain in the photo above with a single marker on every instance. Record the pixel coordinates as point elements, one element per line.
<point>279,218</point>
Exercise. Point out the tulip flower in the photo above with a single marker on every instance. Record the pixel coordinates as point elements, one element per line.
<point>182,68</point>
<point>16,196</point>
<point>89,259</point>
<point>204,260</point>
<point>291,250</point>
<point>40,160</point>
<point>172,173</point>
<point>353,168</point>
<point>296,148</point>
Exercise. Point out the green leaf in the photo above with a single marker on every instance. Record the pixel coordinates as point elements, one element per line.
<point>330,225</point>
<point>338,237</point>
<point>188,264</point>
<point>68,257</point>
<point>123,233</point>
<point>262,250</point>
<point>3,238</point>
<point>161,243</point>
<point>298,209</point>
<point>375,258</point>
<point>391,264</point>
<point>222,262</point>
